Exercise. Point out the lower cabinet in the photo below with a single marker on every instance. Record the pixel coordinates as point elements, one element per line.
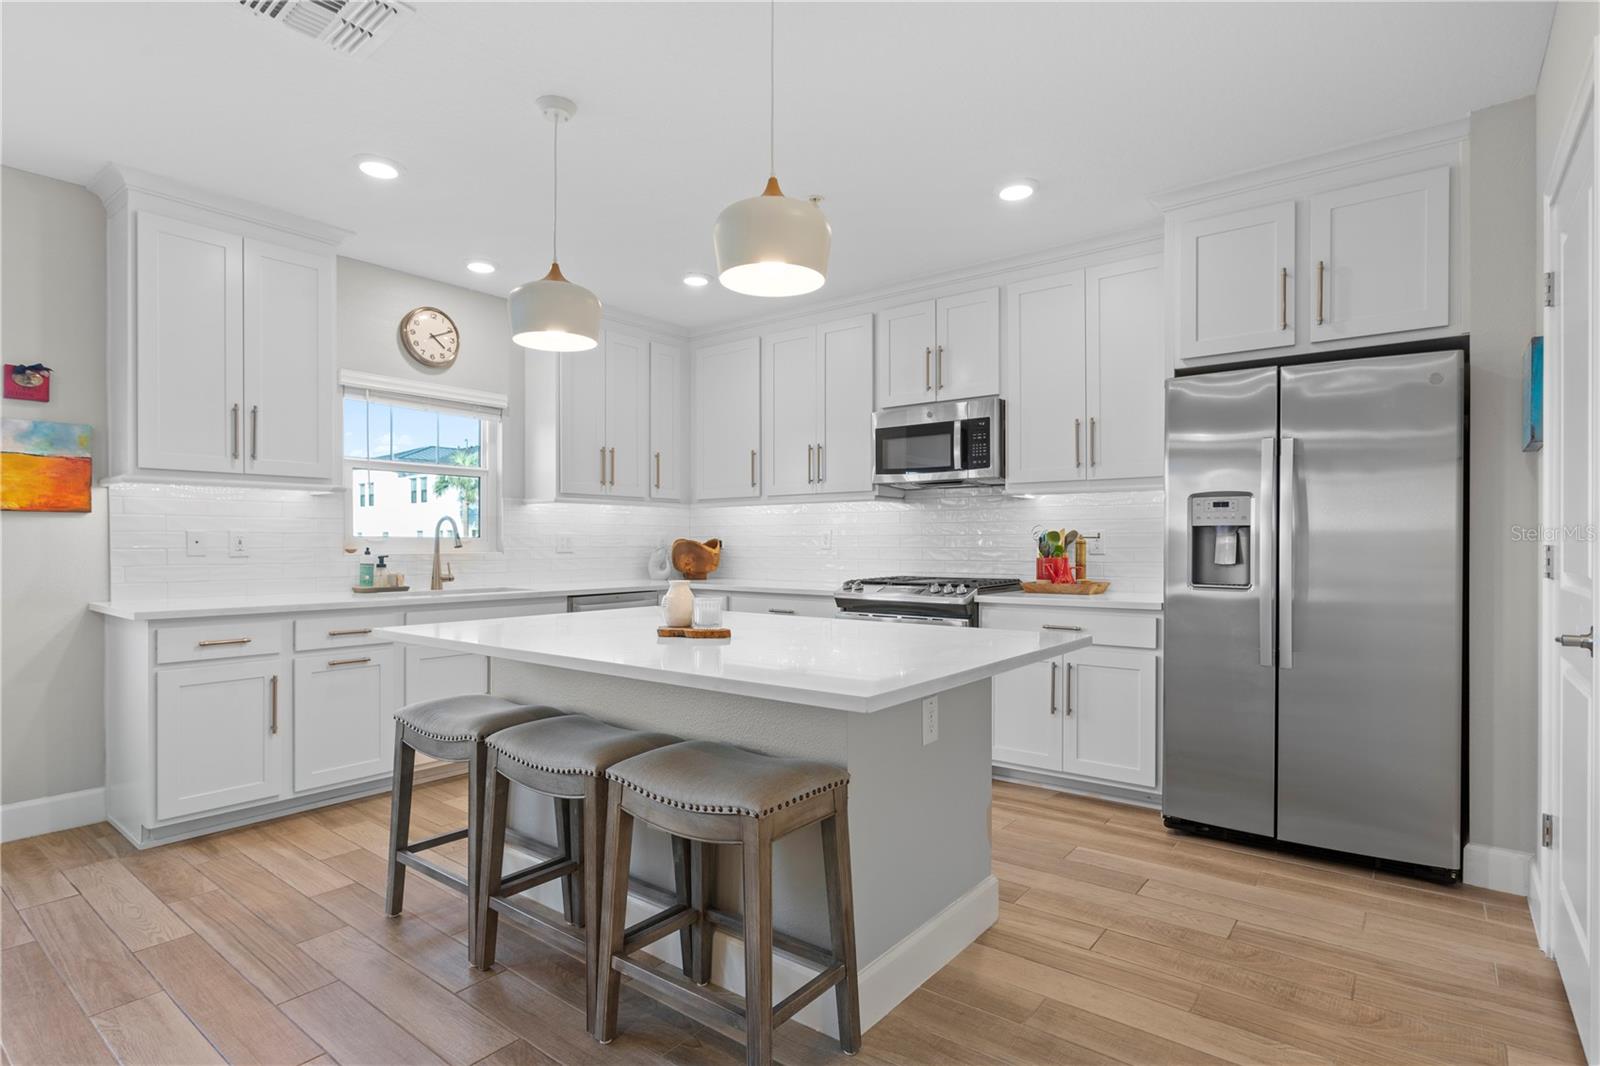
<point>812,606</point>
<point>433,673</point>
<point>344,705</point>
<point>217,739</point>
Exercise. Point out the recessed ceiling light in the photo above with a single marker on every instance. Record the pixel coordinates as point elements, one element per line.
<point>1017,190</point>
<point>481,266</point>
<point>382,169</point>
<point>696,280</point>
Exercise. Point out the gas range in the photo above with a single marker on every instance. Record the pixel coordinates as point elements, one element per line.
<point>949,601</point>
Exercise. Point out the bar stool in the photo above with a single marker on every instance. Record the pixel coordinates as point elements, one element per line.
<point>718,794</point>
<point>454,729</point>
<point>565,758</point>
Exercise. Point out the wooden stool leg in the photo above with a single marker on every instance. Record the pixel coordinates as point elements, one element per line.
<point>405,758</point>
<point>683,886</point>
<point>591,833</point>
<point>614,910</point>
<point>842,920</point>
<point>702,889</point>
<point>567,833</point>
<point>757,861</point>
<point>493,864</point>
<point>477,781</point>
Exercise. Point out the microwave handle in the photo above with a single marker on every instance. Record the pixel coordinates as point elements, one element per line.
<point>957,459</point>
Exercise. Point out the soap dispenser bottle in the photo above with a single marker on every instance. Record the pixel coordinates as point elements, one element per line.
<point>364,576</point>
<point>380,576</point>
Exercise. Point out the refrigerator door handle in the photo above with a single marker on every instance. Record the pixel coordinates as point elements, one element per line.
<point>1286,509</point>
<point>1263,542</point>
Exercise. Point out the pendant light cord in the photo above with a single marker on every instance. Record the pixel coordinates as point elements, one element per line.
<point>555,182</point>
<point>772,88</point>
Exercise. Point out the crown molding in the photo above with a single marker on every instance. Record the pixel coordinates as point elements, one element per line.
<point>115,184</point>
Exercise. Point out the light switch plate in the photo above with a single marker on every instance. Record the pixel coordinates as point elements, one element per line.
<point>930,720</point>
<point>825,540</point>
<point>194,543</point>
<point>237,547</point>
<point>564,544</point>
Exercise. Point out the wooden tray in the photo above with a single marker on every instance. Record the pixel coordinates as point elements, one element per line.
<point>386,588</point>
<point>1082,588</point>
<point>694,634</point>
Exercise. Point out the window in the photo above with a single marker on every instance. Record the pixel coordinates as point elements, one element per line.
<point>411,463</point>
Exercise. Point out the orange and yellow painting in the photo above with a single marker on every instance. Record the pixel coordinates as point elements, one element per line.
<point>44,466</point>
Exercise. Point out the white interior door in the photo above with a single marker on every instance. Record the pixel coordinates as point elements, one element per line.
<point>627,413</point>
<point>844,454</point>
<point>791,385</point>
<point>288,362</point>
<point>1045,416</point>
<point>1569,762</point>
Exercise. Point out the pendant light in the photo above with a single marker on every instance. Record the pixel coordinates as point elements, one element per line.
<point>552,314</point>
<point>772,244</point>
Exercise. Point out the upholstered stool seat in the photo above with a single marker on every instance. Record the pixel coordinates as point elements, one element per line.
<point>565,758</point>
<point>452,729</point>
<point>712,793</point>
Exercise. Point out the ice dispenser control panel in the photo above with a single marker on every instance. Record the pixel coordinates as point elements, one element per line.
<point>1219,540</point>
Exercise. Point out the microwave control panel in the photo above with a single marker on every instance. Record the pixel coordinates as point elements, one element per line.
<point>975,444</point>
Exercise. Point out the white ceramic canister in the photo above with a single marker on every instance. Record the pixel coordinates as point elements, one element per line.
<point>677,606</point>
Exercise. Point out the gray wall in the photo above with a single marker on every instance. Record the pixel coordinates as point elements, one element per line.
<point>1503,592</point>
<point>53,311</point>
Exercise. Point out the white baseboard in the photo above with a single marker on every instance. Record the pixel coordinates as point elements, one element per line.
<point>884,981</point>
<point>1500,869</point>
<point>51,814</point>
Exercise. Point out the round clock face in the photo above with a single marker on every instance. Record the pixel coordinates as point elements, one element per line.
<point>429,337</point>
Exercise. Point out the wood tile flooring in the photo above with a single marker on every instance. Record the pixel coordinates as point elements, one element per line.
<point>1118,942</point>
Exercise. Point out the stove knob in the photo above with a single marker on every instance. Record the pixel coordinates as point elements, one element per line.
<point>933,589</point>
<point>949,589</point>
<point>961,590</point>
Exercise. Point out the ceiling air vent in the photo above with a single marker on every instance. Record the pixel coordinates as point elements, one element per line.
<point>348,27</point>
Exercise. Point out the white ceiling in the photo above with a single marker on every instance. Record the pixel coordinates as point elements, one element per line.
<point>904,116</point>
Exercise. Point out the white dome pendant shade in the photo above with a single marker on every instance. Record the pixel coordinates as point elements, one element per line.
<point>552,314</point>
<point>772,245</point>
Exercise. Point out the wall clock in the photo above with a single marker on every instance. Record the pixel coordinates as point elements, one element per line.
<point>429,336</point>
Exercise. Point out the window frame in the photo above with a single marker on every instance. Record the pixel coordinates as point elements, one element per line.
<point>487,409</point>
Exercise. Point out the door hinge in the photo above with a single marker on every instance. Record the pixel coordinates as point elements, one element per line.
<point>1547,832</point>
<point>1549,288</point>
<point>1550,562</point>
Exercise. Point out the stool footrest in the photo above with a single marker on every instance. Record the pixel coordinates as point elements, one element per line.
<point>550,926</point>
<point>438,873</point>
<point>709,1003</point>
<point>791,1004</point>
<point>533,876</point>
<point>435,841</point>
<point>783,942</point>
<point>657,926</point>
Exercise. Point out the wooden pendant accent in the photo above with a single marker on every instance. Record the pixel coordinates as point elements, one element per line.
<point>555,273</point>
<point>772,187</point>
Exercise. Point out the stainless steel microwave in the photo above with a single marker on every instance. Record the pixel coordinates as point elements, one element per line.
<point>962,442</point>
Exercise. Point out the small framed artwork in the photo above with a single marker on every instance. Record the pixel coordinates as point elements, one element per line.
<point>1533,396</point>
<point>27,382</point>
<point>44,466</point>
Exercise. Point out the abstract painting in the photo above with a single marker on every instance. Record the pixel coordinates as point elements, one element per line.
<point>44,466</point>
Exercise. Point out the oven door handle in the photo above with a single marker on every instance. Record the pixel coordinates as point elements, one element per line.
<point>915,619</point>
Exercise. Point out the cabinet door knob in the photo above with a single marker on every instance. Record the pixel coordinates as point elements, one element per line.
<point>1055,672</point>
<point>255,428</point>
<point>613,468</point>
<point>1093,460</point>
<point>1077,442</point>
<point>927,369</point>
<point>235,430</point>
<point>820,476</point>
<point>272,726</point>
<point>1283,297</point>
<point>1069,690</point>
<point>1321,269</point>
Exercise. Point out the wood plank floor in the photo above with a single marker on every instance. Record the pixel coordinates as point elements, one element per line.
<point>1118,942</point>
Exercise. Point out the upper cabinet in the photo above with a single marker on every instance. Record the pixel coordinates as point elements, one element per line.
<point>669,451</point>
<point>1380,256</point>
<point>1235,280</point>
<point>605,418</point>
<point>817,408</point>
<point>1084,367</point>
<point>944,349</point>
<point>727,420</point>
<point>220,346</point>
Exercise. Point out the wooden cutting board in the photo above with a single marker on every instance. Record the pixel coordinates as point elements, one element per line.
<point>1081,588</point>
<point>694,634</point>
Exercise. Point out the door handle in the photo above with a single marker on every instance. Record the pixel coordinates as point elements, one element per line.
<point>350,662</point>
<point>1068,688</point>
<point>1055,672</point>
<point>658,470</point>
<point>811,463</point>
<point>1077,442</point>
<point>255,428</point>
<point>1578,640</point>
<point>272,726</point>
<point>235,430</point>
<point>1321,269</point>
<point>1092,453</point>
<point>613,468</point>
<point>927,370</point>
<point>1283,297</point>
<point>1286,510</point>
<point>1262,545</point>
<point>938,367</point>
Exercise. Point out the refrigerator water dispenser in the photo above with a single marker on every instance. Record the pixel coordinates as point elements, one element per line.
<point>1219,540</point>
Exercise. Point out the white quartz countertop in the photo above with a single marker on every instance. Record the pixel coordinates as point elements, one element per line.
<point>418,597</point>
<point>839,663</point>
<point>1106,601</point>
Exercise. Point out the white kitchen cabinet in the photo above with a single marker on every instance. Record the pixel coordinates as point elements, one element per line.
<point>806,606</point>
<point>344,704</point>
<point>1045,364</point>
<point>433,673</point>
<point>220,361</point>
<point>1125,368</point>
<point>217,738</point>
<point>1380,256</point>
<point>817,408</point>
<point>727,420</point>
<point>669,450</point>
<point>1235,281</point>
<point>1108,700</point>
<point>944,349</point>
<point>605,417</point>
<point>1027,716</point>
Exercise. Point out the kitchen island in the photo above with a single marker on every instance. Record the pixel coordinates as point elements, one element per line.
<point>905,708</point>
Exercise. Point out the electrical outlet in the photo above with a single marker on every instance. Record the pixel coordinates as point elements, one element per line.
<point>564,544</point>
<point>930,720</point>
<point>194,543</point>
<point>825,542</point>
<point>1097,546</point>
<point>237,549</point>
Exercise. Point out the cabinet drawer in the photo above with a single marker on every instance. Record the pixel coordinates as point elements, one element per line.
<point>1122,630</point>
<point>341,630</point>
<point>218,639</point>
<point>805,606</point>
<point>486,610</point>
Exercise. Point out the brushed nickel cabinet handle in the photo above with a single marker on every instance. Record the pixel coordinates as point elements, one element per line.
<point>1065,629</point>
<point>613,468</point>
<point>1068,687</point>
<point>273,725</point>
<point>224,643</point>
<point>1055,673</point>
<point>1320,270</point>
<point>780,610</point>
<point>348,632</point>
<point>752,468</point>
<point>658,470</point>
<point>1093,454</point>
<point>350,662</point>
<point>1077,442</point>
<point>820,475</point>
<point>235,430</point>
<point>811,464</point>
<point>938,367</point>
<point>1283,297</point>
<point>255,428</point>
<point>927,370</point>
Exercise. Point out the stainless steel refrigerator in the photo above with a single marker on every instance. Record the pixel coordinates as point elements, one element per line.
<point>1315,549</point>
